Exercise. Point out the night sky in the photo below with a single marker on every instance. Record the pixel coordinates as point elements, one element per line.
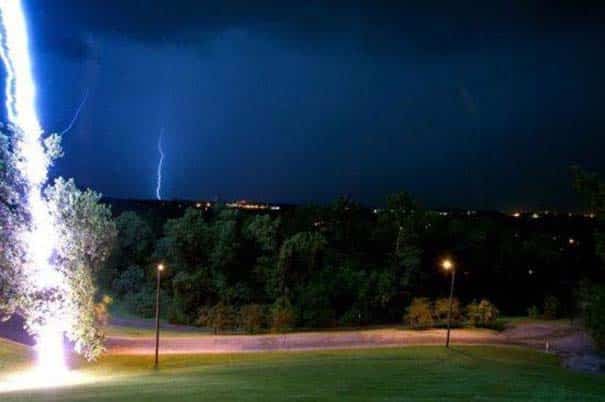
<point>462,106</point>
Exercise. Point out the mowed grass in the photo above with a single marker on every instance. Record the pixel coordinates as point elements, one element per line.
<point>431,373</point>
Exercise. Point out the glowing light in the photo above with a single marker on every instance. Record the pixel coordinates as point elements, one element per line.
<point>447,264</point>
<point>40,240</point>
<point>158,188</point>
<point>50,350</point>
<point>37,379</point>
<point>76,115</point>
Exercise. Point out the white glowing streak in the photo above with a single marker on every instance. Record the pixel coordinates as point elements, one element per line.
<point>21,111</point>
<point>158,187</point>
<point>76,115</point>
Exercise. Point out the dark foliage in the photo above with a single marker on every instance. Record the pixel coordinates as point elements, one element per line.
<point>347,265</point>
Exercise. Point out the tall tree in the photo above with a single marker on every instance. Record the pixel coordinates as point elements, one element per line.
<point>403,212</point>
<point>135,239</point>
<point>13,221</point>
<point>299,256</point>
<point>592,189</point>
<point>85,232</point>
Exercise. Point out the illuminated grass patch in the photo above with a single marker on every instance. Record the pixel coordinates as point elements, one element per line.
<point>407,374</point>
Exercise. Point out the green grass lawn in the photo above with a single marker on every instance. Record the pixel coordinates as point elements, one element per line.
<point>406,374</point>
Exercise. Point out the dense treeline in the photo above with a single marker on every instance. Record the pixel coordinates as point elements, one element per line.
<point>343,264</point>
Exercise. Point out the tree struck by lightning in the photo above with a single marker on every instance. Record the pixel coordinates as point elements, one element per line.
<point>58,234</point>
<point>40,238</point>
<point>158,187</point>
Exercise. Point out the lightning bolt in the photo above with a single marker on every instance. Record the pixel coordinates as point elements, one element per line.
<point>40,239</point>
<point>158,187</point>
<point>76,115</point>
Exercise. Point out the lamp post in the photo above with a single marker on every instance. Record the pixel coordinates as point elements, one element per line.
<point>159,270</point>
<point>448,265</point>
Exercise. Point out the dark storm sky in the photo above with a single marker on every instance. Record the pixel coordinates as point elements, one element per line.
<point>304,101</point>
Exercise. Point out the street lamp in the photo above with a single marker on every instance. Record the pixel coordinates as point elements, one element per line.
<point>448,265</point>
<point>159,270</point>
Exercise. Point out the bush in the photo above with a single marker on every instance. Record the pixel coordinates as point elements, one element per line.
<point>176,314</point>
<point>442,307</point>
<point>551,307</point>
<point>419,314</point>
<point>203,317</point>
<point>283,317</point>
<point>102,311</point>
<point>221,317</point>
<point>595,314</point>
<point>352,318</point>
<point>252,318</point>
<point>483,314</point>
<point>533,312</point>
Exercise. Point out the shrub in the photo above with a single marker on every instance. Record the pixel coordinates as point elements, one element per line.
<point>442,307</point>
<point>419,314</point>
<point>221,317</point>
<point>102,311</point>
<point>176,314</point>
<point>252,318</point>
<point>533,312</point>
<point>483,314</point>
<point>595,314</point>
<point>283,317</point>
<point>551,307</point>
<point>203,317</point>
<point>352,317</point>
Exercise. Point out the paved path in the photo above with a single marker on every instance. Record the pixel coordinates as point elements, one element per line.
<point>570,342</point>
<point>559,337</point>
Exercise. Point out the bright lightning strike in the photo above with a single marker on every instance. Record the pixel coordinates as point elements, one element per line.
<point>158,187</point>
<point>76,115</point>
<point>40,240</point>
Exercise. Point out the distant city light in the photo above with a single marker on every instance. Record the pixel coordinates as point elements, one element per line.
<point>243,204</point>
